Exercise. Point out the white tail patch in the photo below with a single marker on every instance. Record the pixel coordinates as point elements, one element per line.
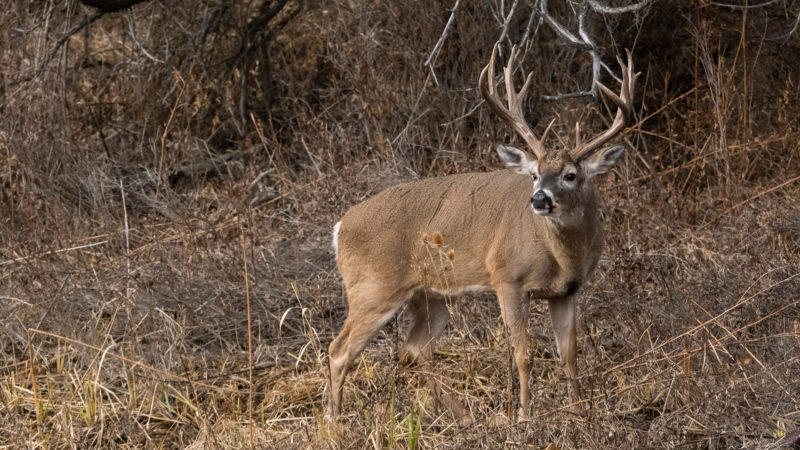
<point>336,238</point>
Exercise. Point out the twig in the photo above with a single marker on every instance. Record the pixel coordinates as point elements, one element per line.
<point>506,23</point>
<point>568,95</point>
<point>32,368</point>
<point>127,242</point>
<point>527,34</point>
<point>260,193</point>
<point>772,189</point>
<point>310,156</point>
<point>435,51</point>
<point>249,336</point>
<point>5,297</point>
<point>51,252</point>
<point>166,130</point>
<point>789,33</point>
<point>136,41</point>
<point>610,72</point>
<point>593,50</point>
<point>467,114</point>
<point>65,37</point>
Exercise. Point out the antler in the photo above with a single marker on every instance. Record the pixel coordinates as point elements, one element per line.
<point>513,114</point>
<point>624,102</point>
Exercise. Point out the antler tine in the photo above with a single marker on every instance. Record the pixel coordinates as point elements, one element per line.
<point>624,102</point>
<point>547,130</point>
<point>512,114</point>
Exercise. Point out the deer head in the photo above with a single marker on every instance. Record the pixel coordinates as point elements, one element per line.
<point>559,176</point>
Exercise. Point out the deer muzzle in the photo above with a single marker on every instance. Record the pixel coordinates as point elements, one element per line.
<point>542,203</point>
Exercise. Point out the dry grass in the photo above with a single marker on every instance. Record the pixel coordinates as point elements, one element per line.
<point>126,290</point>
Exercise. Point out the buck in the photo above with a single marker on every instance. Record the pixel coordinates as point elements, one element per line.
<point>530,232</point>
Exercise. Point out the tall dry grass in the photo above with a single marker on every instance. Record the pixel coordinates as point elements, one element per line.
<point>130,249</point>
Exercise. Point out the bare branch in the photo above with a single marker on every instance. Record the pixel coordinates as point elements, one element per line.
<point>527,34</point>
<point>259,192</point>
<point>610,72</point>
<point>728,5</point>
<point>592,47</point>
<point>789,33</point>
<point>558,28</point>
<point>569,95</point>
<point>435,51</point>
<point>619,9</point>
<point>132,33</point>
<point>506,22</point>
<point>65,37</point>
<point>584,42</point>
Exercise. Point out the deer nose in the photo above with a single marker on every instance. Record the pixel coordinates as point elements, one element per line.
<point>540,201</point>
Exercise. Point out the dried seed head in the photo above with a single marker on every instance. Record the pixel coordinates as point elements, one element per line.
<point>451,254</point>
<point>437,240</point>
<point>425,238</point>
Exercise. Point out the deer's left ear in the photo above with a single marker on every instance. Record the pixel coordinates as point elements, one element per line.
<point>601,161</point>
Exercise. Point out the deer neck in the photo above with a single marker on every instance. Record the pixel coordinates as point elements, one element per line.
<point>576,240</point>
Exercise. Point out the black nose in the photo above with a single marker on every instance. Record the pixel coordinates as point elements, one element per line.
<point>541,201</point>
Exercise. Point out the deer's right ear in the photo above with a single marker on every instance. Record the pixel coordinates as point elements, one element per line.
<point>516,160</point>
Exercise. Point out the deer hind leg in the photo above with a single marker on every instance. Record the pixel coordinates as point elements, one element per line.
<point>429,317</point>
<point>370,309</point>
<point>514,310</point>
<point>562,313</point>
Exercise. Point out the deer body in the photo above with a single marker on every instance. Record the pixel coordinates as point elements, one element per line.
<point>467,210</point>
<point>531,231</point>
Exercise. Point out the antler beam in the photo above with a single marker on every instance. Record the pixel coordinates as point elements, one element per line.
<point>624,102</point>
<point>513,113</point>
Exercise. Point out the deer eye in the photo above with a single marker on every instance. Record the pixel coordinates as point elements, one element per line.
<point>535,177</point>
<point>570,177</point>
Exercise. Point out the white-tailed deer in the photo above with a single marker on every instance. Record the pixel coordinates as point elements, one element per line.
<point>532,231</point>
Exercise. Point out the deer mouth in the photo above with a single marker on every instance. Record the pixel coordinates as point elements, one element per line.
<point>542,204</point>
<point>543,211</point>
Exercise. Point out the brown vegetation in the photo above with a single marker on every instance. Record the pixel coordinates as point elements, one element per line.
<point>147,295</point>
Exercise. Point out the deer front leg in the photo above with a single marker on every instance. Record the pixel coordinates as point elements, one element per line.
<point>514,309</point>
<point>562,313</point>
